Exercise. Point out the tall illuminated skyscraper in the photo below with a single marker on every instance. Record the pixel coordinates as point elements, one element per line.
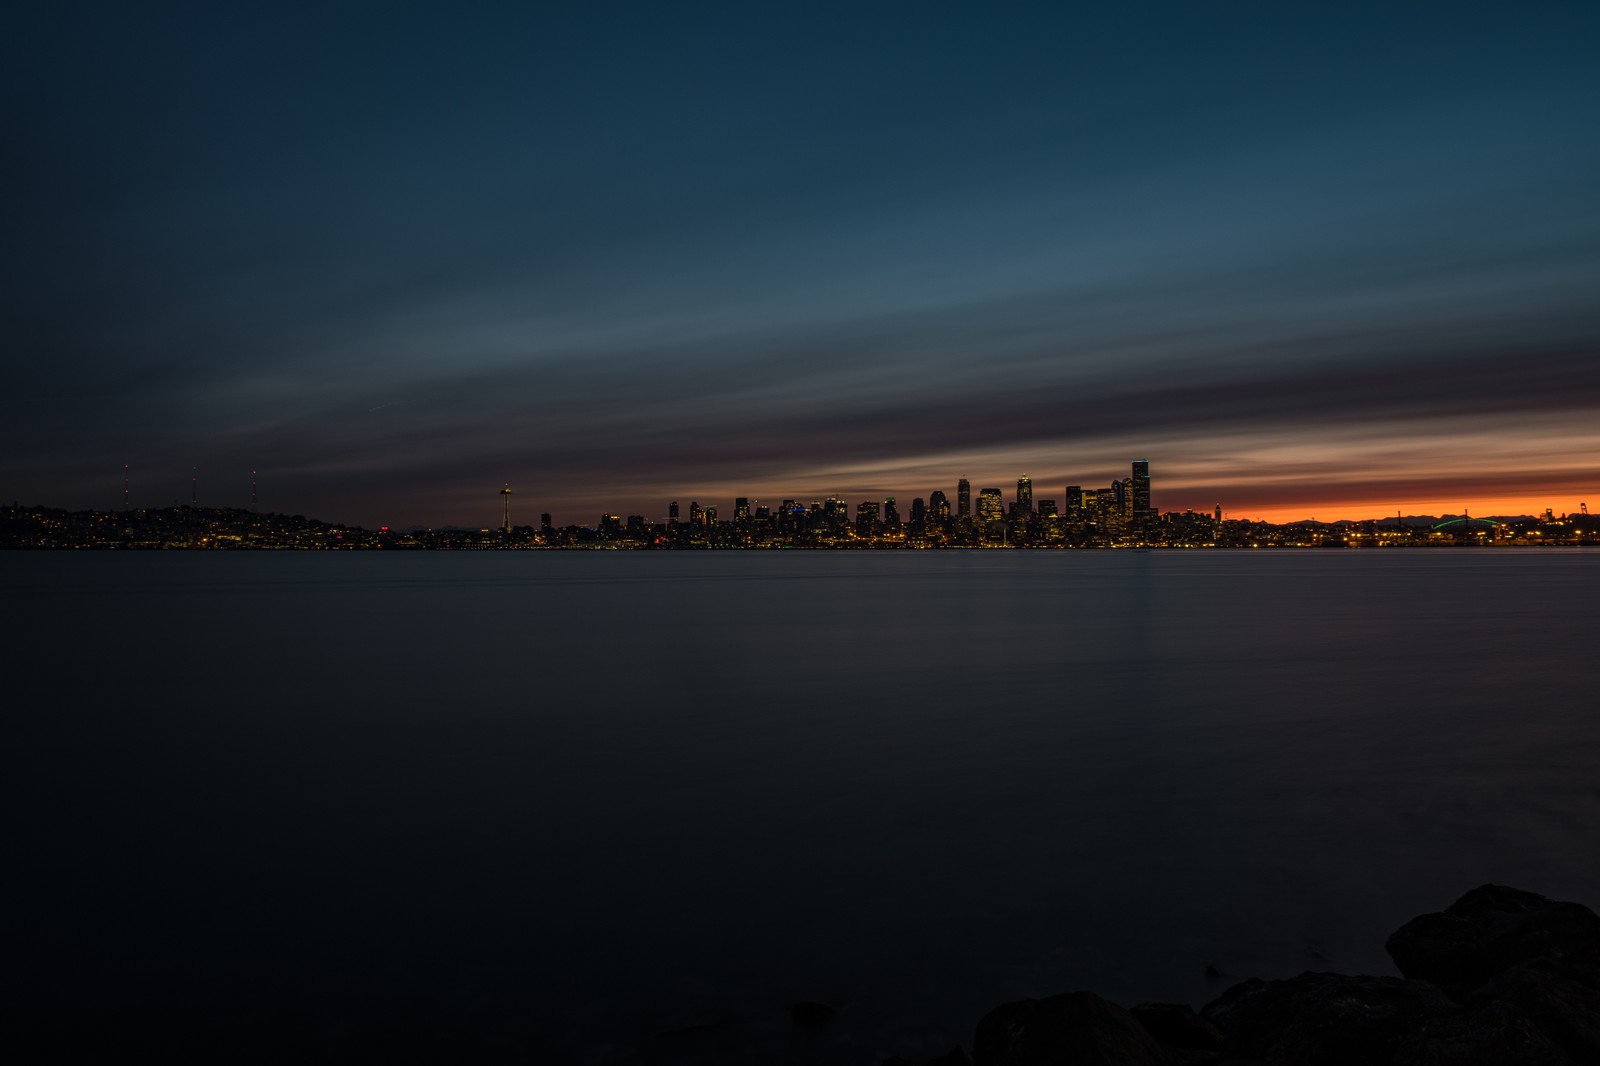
<point>1024,494</point>
<point>939,506</point>
<point>991,508</point>
<point>1139,490</point>
<point>963,498</point>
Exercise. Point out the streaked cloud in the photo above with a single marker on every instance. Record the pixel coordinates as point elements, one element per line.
<point>1293,260</point>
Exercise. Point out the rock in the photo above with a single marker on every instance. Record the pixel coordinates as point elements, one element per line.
<point>1557,992</point>
<point>956,1056</point>
<point>809,1015</point>
<point>1501,1035</point>
<point>1488,931</point>
<point>1066,1030</point>
<point>1176,1025</point>
<point>1325,1019</point>
<point>1500,978</point>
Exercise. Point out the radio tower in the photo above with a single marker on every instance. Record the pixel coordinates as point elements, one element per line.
<point>125,486</point>
<point>505,499</point>
<point>194,488</point>
<point>252,490</point>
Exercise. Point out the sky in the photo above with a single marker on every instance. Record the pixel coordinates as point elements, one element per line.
<point>1309,260</point>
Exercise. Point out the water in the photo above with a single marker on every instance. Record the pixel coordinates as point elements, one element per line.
<point>595,807</point>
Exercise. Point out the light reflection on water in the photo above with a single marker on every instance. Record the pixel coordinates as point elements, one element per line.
<point>601,795</point>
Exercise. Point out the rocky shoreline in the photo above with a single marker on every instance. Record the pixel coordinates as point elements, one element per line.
<point>1502,977</point>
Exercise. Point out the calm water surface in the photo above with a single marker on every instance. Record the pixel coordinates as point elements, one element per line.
<point>556,805</point>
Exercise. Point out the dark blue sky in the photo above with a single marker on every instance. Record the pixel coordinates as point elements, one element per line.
<point>1307,259</point>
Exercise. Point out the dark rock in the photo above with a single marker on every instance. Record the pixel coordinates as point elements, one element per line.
<point>1488,931</point>
<point>1176,1025</point>
<point>1325,1019</point>
<point>1066,1030</point>
<point>1181,1057</point>
<point>956,1056</point>
<point>1557,992</point>
<point>809,1015</point>
<point>1500,1035</point>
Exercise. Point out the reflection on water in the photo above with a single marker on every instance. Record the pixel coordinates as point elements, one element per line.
<point>571,801</point>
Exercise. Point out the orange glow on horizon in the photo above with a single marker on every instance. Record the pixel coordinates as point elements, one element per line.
<point>1508,506</point>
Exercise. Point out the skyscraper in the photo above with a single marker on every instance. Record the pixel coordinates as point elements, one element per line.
<point>741,510</point>
<point>1024,494</point>
<point>963,498</point>
<point>991,508</point>
<point>867,518</point>
<point>939,506</point>
<point>1139,490</point>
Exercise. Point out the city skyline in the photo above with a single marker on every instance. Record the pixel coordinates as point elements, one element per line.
<point>522,507</point>
<point>1315,263</point>
<point>522,501</point>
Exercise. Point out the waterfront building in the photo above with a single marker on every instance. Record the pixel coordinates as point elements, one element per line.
<point>1139,490</point>
<point>963,498</point>
<point>991,508</point>
<point>867,518</point>
<point>1024,495</point>
<point>1104,509</point>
